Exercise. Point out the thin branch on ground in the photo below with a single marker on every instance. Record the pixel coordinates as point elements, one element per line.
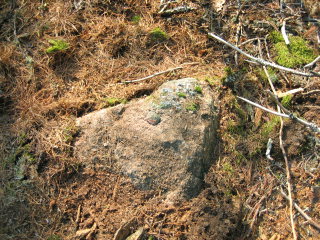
<point>306,216</point>
<point>248,41</point>
<point>309,65</point>
<point>290,92</point>
<point>312,126</point>
<point>284,34</point>
<point>288,180</point>
<point>312,92</point>
<point>238,33</point>
<point>267,49</point>
<point>268,151</point>
<point>266,71</point>
<point>264,108</point>
<point>264,62</point>
<point>153,75</point>
<point>279,105</point>
<point>179,9</point>
<point>160,73</point>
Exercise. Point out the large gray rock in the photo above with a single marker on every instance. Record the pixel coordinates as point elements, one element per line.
<point>166,141</point>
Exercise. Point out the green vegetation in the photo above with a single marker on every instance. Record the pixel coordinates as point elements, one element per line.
<point>286,101</point>
<point>53,237</point>
<point>158,35</point>
<point>276,37</point>
<point>198,89</point>
<point>181,94</point>
<point>228,71</point>
<point>115,101</point>
<point>272,74</point>
<point>235,128</point>
<point>212,80</point>
<point>227,167</point>
<point>295,54</point>
<point>231,77</point>
<point>69,133</point>
<point>269,126</point>
<point>192,107</point>
<point>22,151</point>
<point>136,19</point>
<point>57,46</point>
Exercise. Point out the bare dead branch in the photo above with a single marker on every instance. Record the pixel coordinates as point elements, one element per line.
<point>309,65</point>
<point>264,62</point>
<point>266,71</point>
<point>284,34</point>
<point>292,91</point>
<point>237,41</point>
<point>288,180</point>
<point>162,72</point>
<point>312,92</point>
<point>275,99</point>
<point>179,9</point>
<point>306,216</point>
<point>264,108</point>
<point>312,126</point>
<point>248,41</point>
<point>268,151</point>
<point>153,75</point>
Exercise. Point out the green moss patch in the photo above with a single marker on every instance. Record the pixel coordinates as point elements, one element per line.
<point>286,101</point>
<point>158,35</point>
<point>181,94</point>
<point>198,89</point>
<point>192,106</point>
<point>115,101</point>
<point>57,45</point>
<point>136,19</point>
<point>295,54</point>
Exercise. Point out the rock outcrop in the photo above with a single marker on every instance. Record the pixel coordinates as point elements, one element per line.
<point>165,141</point>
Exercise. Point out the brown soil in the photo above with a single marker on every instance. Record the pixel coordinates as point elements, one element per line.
<point>42,93</point>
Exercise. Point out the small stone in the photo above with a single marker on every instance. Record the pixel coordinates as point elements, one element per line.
<point>154,119</point>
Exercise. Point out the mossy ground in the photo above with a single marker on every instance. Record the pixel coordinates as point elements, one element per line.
<point>296,54</point>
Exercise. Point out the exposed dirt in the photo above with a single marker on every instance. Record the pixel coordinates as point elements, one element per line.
<point>41,95</point>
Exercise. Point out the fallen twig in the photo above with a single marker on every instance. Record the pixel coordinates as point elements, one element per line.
<point>237,41</point>
<point>312,126</point>
<point>288,180</point>
<point>312,63</point>
<point>247,41</point>
<point>279,105</point>
<point>153,75</point>
<point>179,9</point>
<point>293,91</point>
<point>266,71</point>
<point>264,62</point>
<point>268,151</point>
<point>306,216</point>
<point>312,92</point>
<point>284,34</point>
<point>78,214</point>
<point>159,73</point>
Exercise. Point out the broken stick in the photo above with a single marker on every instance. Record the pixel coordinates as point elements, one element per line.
<point>264,62</point>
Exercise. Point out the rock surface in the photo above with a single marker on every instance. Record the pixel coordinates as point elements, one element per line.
<point>166,141</point>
